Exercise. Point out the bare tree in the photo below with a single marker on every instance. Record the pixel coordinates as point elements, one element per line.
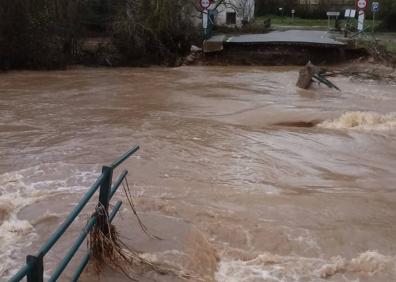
<point>158,31</point>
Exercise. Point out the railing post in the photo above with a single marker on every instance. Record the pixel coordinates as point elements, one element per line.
<point>37,272</point>
<point>104,199</point>
<point>105,187</point>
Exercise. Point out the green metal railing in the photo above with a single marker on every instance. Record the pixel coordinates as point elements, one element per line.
<point>34,267</point>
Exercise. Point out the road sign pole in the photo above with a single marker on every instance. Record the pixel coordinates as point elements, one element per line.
<point>205,23</point>
<point>361,20</point>
<point>328,22</point>
<point>205,4</point>
<point>375,6</point>
<point>361,7</point>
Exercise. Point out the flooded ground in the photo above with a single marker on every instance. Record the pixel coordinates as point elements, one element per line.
<point>284,184</point>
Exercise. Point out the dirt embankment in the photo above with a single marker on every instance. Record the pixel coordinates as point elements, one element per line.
<point>359,63</point>
<point>365,68</point>
<point>280,55</point>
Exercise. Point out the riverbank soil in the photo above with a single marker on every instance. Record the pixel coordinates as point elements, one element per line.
<point>280,55</point>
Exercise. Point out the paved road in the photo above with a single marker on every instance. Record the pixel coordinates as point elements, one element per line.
<point>304,37</point>
<point>310,37</point>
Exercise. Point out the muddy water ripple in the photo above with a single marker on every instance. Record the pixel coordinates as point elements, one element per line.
<point>286,184</point>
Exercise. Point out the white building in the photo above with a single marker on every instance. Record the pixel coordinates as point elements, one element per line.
<point>235,12</point>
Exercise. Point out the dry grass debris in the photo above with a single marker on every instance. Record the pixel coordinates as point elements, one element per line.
<point>107,248</point>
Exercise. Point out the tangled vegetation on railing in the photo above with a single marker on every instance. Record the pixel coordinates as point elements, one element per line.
<point>107,249</point>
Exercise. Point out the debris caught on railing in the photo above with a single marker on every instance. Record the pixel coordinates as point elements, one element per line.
<point>363,71</point>
<point>107,249</point>
<point>311,73</point>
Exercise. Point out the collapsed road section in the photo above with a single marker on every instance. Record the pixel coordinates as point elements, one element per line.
<point>291,47</point>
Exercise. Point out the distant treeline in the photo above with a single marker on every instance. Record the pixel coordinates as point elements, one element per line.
<point>49,33</point>
<point>271,7</point>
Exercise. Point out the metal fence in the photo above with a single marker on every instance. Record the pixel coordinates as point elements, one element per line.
<point>34,267</point>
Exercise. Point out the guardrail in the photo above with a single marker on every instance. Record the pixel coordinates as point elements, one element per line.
<point>34,267</point>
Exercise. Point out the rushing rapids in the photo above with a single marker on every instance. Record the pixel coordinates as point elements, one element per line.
<point>279,183</point>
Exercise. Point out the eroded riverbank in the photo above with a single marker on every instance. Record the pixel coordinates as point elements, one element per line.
<point>227,149</point>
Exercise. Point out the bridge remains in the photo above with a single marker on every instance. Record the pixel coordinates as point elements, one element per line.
<point>290,47</point>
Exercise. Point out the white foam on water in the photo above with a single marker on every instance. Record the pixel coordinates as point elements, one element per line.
<point>172,257</point>
<point>372,262</point>
<point>238,271</point>
<point>362,121</point>
<point>14,232</point>
<point>20,189</point>
<point>268,267</point>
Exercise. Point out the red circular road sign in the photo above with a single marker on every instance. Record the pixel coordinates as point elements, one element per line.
<point>361,4</point>
<point>205,3</point>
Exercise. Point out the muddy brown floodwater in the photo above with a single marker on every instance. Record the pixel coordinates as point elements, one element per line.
<point>280,184</point>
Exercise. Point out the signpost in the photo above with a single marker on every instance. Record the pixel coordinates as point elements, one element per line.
<point>361,5</point>
<point>350,13</point>
<point>375,9</point>
<point>332,14</point>
<point>205,4</point>
<point>205,19</point>
<point>360,26</point>
<point>293,12</point>
<point>281,12</point>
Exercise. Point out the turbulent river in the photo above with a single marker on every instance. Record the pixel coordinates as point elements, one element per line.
<point>284,184</point>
